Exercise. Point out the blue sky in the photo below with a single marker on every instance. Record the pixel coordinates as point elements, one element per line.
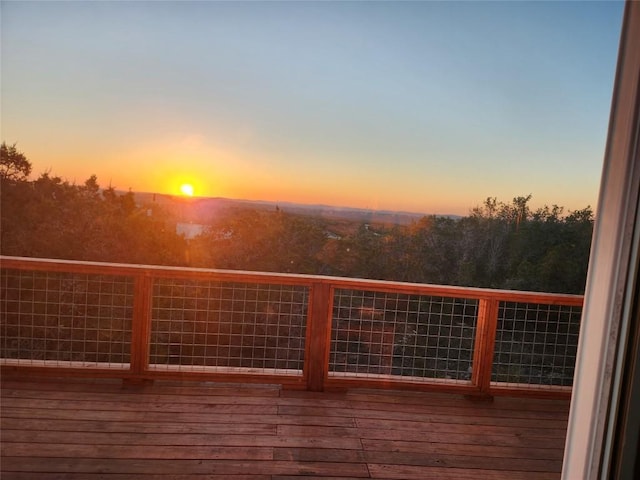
<point>419,106</point>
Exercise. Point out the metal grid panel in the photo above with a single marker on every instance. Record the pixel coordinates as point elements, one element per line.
<point>536,344</point>
<point>406,335</point>
<point>64,318</point>
<point>203,324</point>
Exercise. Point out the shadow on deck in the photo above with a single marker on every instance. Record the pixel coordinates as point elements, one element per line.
<point>76,429</point>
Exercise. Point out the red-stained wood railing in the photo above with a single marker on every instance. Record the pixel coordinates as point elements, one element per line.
<point>315,373</point>
<point>485,343</point>
<point>141,326</point>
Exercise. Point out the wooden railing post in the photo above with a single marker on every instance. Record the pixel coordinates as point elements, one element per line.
<point>141,326</point>
<point>485,344</point>
<point>316,362</point>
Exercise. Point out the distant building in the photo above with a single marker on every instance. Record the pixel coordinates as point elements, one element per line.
<point>190,230</point>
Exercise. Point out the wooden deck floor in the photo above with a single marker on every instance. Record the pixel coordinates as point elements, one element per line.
<point>71,429</point>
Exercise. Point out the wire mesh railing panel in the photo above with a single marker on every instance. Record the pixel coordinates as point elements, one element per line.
<point>65,318</point>
<point>202,324</point>
<point>536,344</point>
<point>418,336</point>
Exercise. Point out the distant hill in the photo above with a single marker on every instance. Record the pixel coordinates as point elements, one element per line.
<point>204,209</point>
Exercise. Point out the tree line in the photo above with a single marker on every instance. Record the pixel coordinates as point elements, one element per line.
<point>498,245</point>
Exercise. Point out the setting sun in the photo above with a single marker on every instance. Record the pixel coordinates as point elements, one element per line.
<point>186,189</point>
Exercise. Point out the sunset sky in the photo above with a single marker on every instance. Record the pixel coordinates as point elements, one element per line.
<point>420,106</point>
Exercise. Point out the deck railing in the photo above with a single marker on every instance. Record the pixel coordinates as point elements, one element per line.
<point>301,331</point>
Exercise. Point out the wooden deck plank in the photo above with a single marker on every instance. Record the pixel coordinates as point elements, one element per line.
<point>138,427</point>
<point>176,467</point>
<point>512,439</point>
<point>148,407</point>
<point>176,417</point>
<point>127,396</point>
<point>152,439</point>
<point>458,407</point>
<point>319,455</point>
<point>55,430</point>
<point>131,395</point>
<point>418,398</point>
<point>158,387</point>
<point>62,449</point>
<point>136,476</point>
<point>408,472</point>
<point>400,425</point>
<point>306,477</point>
<point>469,407</point>
<point>463,461</point>
<point>316,431</point>
<point>474,448</point>
<point>467,418</point>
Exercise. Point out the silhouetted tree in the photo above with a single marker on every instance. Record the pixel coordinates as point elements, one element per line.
<point>14,166</point>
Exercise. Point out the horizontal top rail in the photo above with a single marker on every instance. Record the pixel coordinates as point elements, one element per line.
<point>73,266</point>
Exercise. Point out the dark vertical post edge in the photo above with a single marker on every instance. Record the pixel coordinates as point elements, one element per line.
<point>318,336</point>
<point>140,329</point>
<point>484,348</point>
